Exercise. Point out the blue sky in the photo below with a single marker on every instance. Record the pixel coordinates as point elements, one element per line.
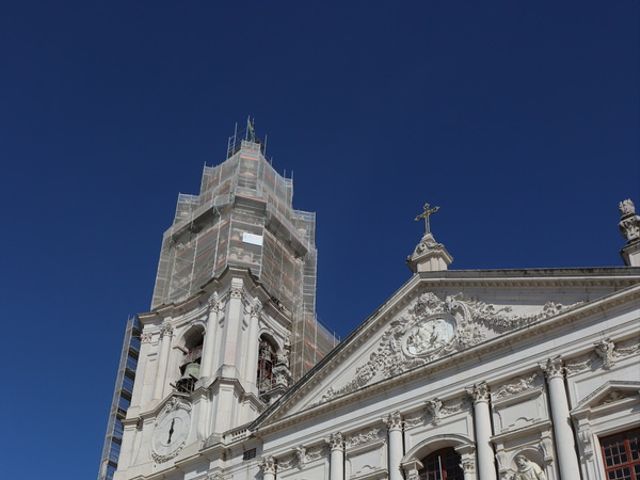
<point>520,119</point>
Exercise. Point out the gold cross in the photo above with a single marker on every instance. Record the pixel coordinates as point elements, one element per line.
<point>427,211</point>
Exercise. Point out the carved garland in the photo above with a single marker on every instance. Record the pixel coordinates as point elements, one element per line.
<point>433,328</point>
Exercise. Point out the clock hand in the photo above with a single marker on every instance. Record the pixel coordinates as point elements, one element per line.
<point>171,430</point>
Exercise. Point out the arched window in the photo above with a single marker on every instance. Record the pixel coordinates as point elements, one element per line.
<point>266,361</point>
<point>443,464</point>
<point>190,364</point>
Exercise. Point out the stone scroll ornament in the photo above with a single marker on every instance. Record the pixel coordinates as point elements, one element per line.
<point>432,328</point>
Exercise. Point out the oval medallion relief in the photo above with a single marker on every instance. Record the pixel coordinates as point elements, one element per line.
<point>429,335</point>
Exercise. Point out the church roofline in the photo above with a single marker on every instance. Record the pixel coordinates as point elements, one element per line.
<point>629,293</point>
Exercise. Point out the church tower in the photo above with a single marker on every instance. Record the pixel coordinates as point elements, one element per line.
<point>232,321</point>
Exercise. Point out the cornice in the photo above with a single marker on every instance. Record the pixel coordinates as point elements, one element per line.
<point>222,283</point>
<point>471,354</point>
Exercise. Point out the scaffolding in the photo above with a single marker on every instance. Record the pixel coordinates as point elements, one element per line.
<point>121,399</point>
<point>243,216</point>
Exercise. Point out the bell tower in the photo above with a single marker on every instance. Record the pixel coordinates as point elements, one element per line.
<point>232,321</point>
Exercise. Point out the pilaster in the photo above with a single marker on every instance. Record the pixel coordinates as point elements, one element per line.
<point>166,334</point>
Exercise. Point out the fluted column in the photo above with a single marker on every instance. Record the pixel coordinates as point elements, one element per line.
<point>563,434</point>
<point>394,426</point>
<point>166,332</point>
<point>215,306</point>
<point>336,444</point>
<point>268,468</point>
<point>482,422</point>
<point>252,347</point>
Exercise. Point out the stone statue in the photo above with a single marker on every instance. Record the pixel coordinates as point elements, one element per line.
<point>627,207</point>
<point>528,470</point>
<point>629,221</point>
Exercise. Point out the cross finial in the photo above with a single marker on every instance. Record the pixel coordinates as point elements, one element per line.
<point>427,211</point>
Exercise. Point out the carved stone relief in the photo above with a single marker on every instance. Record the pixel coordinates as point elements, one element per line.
<point>605,355</point>
<point>435,410</point>
<point>516,386</point>
<point>431,328</point>
<point>364,437</point>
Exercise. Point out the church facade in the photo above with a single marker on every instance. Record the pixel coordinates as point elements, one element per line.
<point>460,375</point>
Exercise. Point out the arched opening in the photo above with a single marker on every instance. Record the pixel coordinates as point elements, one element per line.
<point>190,363</point>
<point>266,362</point>
<point>443,464</point>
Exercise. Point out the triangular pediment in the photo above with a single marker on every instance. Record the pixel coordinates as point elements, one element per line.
<point>609,393</point>
<point>429,321</point>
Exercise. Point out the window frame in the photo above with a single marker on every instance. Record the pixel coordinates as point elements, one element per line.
<point>631,463</point>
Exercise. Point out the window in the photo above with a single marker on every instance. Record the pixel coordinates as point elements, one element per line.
<point>190,364</point>
<point>621,456</point>
<point>266,360</point>
<point>443,464</point>
<point>249,454</point>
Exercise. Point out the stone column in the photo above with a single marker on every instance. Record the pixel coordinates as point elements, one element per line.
<point>251,366</point>
<point>215,306</point>
<point>394,425</point>
<point>482,422</point>
<point>336,443</point>
<point>268,468</point>
<point>166,332</point>
<point>563,434</point>
<point>233,323</point>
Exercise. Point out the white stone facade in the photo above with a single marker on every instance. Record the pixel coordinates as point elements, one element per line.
<point>535,363</point>
<point>513,374</point>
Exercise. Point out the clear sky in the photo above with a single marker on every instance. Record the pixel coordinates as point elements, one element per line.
<point>520,119</point>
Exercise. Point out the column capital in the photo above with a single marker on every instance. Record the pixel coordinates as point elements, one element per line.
<point>166,329</point>
<point>336,441</point>
<point>267,465</point>
<point>553,368</point>
<point>146,337</point>
<point>412,469</point>
<point>236,288</point>
<point>215,304</point>
<point>255,308</point>
<point>393,421</point>
<point>479,392</point>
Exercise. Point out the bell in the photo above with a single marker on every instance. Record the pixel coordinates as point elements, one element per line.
<point>189,378</point>
<point>191,371</point>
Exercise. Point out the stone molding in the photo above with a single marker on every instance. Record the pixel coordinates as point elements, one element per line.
<point>433,328</point>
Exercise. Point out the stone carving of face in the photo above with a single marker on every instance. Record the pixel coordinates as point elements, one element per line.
<point>522,462</point>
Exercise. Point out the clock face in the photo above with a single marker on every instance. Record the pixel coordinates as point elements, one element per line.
<point>171,432</point>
